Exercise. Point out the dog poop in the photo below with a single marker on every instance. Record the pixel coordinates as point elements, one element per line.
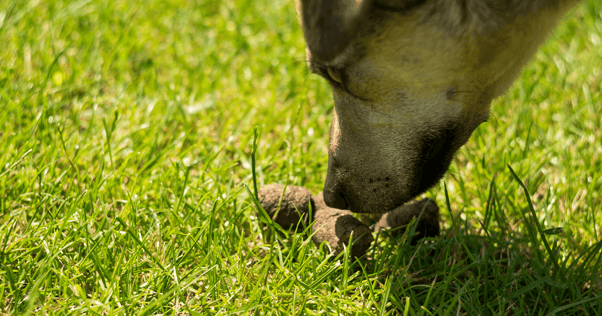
<point>294,207</point>
<point>396,220</point>
<point>336,228</point>
<point>340,228</point>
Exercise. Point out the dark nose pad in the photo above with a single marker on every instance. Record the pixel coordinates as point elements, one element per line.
<point>334,198</point>
<point>333,190</point>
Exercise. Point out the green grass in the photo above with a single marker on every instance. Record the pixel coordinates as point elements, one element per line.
<point>126,138</point>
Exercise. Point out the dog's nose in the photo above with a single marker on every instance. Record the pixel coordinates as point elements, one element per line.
<point>333,194</point>
<point>335,200</point>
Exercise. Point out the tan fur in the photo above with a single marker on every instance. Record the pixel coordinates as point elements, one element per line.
<point>417,78</point>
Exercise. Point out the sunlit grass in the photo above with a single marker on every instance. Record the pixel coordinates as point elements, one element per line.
<point>126,135</point>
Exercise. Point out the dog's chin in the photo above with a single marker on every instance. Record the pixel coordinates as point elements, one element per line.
<point>388,198</point>
<point>376,207</point>
<point>365,202</point>
<point>381,204</point>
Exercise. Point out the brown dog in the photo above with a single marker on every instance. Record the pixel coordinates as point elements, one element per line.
<point>411,81</point>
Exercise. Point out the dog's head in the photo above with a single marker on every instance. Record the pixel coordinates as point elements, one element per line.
<point>411,80</point>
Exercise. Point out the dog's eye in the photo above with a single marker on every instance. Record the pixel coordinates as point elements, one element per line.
<point>334,74</point>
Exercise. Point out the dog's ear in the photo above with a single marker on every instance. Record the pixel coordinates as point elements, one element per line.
<point>329,25</point>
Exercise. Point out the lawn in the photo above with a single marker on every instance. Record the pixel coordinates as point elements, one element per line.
<point>127,131</point>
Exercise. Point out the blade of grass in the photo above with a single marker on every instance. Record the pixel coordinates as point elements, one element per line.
<point>536,220</point>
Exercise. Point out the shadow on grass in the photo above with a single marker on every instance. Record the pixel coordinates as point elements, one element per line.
<point>487,274</point>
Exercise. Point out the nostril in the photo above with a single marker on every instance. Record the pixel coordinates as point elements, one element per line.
<point>335,200</point>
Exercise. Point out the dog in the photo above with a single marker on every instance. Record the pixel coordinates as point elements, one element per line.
<point>411,80</point>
